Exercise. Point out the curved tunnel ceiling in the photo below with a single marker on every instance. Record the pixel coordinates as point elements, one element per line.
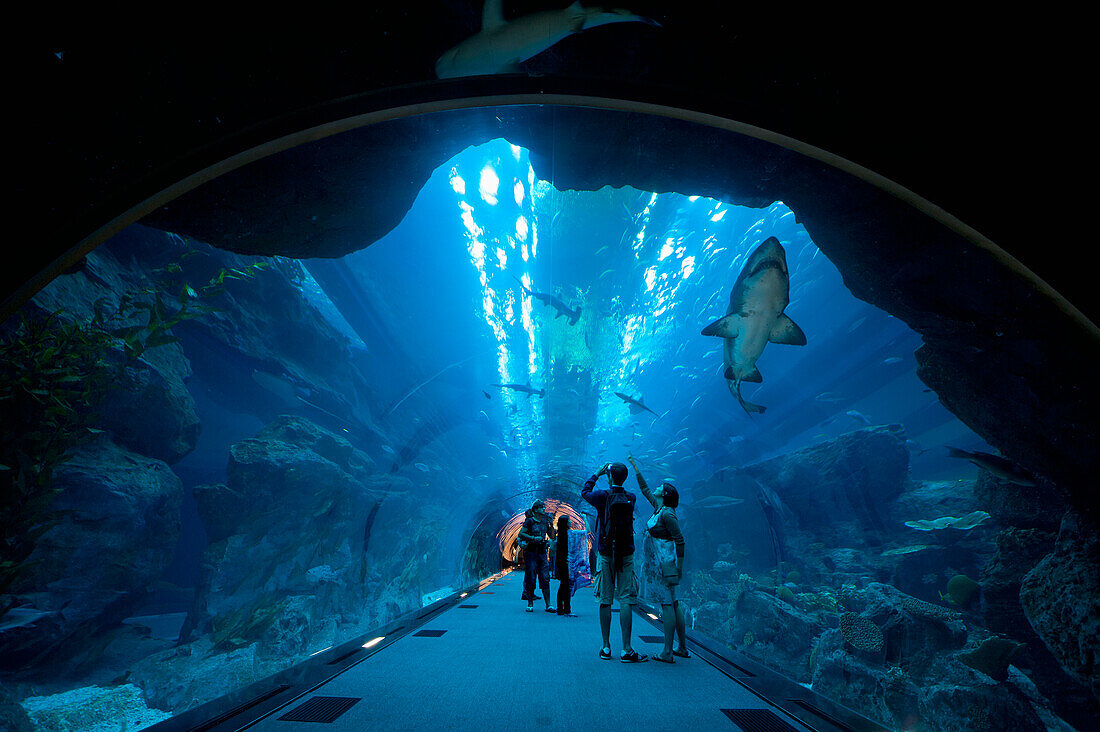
<point>305,195</point>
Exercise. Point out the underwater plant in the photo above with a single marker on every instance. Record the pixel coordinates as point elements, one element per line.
<point>55,371</point>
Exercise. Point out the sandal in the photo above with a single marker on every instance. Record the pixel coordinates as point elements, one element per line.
<point>663,660</point>
<point>605,655</point>
<point>681,654</point>
<point>634,657</point>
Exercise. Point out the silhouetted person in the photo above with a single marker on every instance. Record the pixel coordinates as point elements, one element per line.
<point>561,566</point>
<point>533,539</point>
<point>615,556</point>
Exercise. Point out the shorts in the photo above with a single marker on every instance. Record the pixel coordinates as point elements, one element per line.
<point>611,585</point>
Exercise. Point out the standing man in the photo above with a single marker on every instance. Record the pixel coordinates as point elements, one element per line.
<point>614,556</point>
<point>533,538</point>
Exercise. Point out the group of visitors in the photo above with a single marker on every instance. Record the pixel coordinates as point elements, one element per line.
<point>615,576</point>
<point>536,537</point>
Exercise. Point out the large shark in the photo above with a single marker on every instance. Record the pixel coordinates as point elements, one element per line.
<point>525,388</point>
<point>501,45</point>
<point>557,304</point>
<point>755,317</point>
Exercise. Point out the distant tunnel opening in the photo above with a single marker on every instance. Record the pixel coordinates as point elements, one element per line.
<point>507,536</point>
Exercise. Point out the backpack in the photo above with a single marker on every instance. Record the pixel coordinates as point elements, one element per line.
<point>617,525</point>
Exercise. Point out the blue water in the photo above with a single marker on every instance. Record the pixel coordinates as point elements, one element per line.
<point>432,319</point>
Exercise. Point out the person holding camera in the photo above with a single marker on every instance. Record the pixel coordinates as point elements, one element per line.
<point>663,563</point>
<point>533,540</point>
<point>615,556</point>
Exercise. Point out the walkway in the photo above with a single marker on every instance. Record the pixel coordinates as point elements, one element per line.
<point>486,664</point>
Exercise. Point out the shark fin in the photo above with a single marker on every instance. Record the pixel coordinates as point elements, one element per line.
<point>726,327</point>
<point>786,332</point>
<point>753,377</point>
<point>492,15</point>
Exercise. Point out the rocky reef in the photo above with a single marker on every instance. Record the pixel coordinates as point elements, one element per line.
<point>307,541</point>
<point>118,526</point>
<point>902,599</point>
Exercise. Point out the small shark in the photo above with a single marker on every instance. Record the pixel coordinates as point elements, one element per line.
<point>525,388</point>
<point>755,317</point>
<point>1003,469</point>
<point>561,307</point>
<point>717,502</point>
<point>501,45</point>
<point>635,405</point>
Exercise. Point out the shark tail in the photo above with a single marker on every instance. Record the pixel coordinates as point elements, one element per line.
<point>575,316</point>
<point>749,407</point>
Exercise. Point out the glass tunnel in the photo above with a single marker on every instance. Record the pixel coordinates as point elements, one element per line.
<point>222,464</point>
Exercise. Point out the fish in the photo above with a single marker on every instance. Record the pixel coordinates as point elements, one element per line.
<point>891,360</point>
<point>277,385</point>
<point>717,502</point>
<point>554,302</point>
<point>829,396</point>
<point>636,405</point>
<point>755,318</point>
<point>19,617</point>
<point>486,395</point>
<point>860,416</point>
<point>421,467</point>
<point>999,466</point>
<point>501,45</point>
<point>525,388</point>
<point>388,449</point>
<point>323,573</point>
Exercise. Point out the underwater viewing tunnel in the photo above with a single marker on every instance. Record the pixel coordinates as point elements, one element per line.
<point>273,435</point>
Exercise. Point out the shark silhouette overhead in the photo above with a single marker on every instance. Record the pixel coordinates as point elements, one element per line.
<point>755,317</point>
<point>501,45</point>
<point>525,388</point>
<point>554,302</point>
<point>636,405</point>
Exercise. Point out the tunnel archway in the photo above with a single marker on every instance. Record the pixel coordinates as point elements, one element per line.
<point>424,472</point>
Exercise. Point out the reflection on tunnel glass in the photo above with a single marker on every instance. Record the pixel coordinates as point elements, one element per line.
<point>216,465</point>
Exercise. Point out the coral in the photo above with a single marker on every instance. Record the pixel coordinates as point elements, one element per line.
<point>93,708</point>
<point>749,638</point>
<point>969,521</point>
<point>992,657</point>
<point>786,595</point>
<point>961,590</point>
<point>861,633</point>
<point>794,576</point>
<point>849,597</point>
<point>913,606</point>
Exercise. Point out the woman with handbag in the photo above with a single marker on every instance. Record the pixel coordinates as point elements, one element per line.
<point>663,564</point>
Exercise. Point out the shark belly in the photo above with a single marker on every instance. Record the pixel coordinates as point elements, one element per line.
<point>501,49</point>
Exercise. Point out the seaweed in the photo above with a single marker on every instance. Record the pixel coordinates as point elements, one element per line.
<point>55,372</point>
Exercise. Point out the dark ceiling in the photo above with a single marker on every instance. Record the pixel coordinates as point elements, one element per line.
<point>975,112</point>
